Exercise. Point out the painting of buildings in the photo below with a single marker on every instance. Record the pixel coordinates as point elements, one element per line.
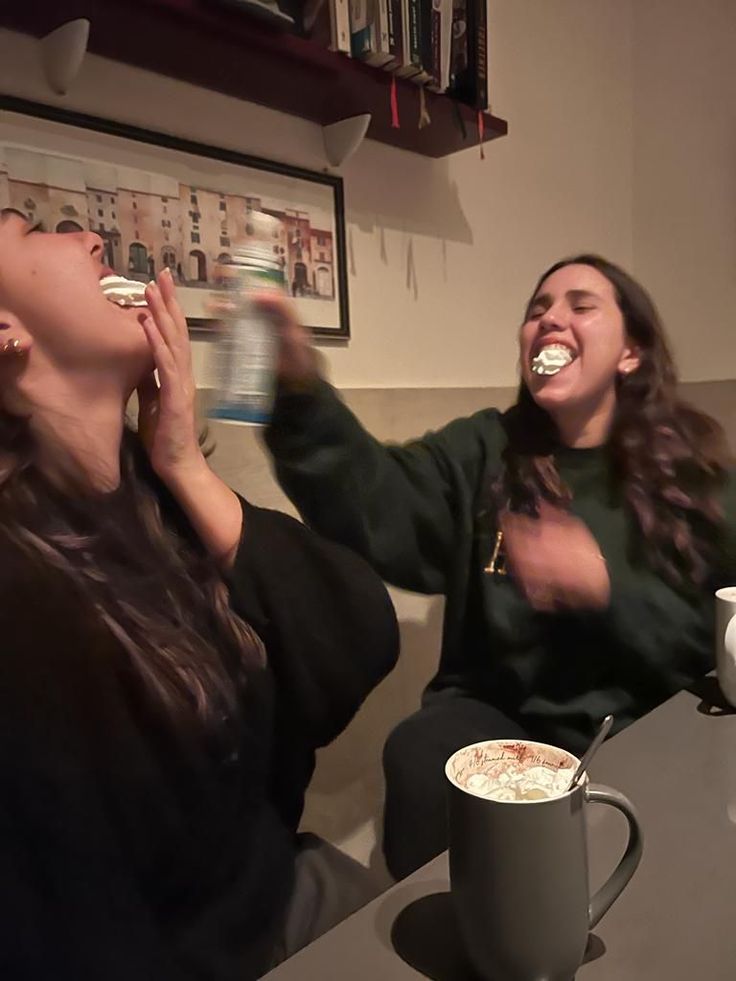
<point>149,221</point>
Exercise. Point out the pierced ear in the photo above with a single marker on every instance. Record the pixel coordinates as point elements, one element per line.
<point>14,338</point>
<point>630,360</point>
<point>10,325</point>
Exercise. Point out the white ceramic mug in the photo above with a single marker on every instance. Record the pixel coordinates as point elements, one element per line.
<point>726,641</point>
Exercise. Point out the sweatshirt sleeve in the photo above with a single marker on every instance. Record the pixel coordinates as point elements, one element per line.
<point>70,907</point>
<point>325,618</point>
<point>401,507</point>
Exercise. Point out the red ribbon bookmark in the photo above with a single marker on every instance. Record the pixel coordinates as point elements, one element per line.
<point>481,133</point>
<point>395,124</point>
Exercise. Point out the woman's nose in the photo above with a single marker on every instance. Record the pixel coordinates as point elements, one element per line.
<point>550,320</point>
<point>94,243</point>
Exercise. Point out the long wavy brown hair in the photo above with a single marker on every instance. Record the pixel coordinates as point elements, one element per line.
<point>141,572</point>
<point>669,458</point>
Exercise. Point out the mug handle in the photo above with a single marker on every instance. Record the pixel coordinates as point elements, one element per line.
<point>619,878</point>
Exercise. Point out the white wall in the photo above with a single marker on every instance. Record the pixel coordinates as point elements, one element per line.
<point>442,253</point>
<point>622,139</point>
<point>684,188</point>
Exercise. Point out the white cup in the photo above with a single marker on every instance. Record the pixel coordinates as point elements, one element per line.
<point>726,641</point>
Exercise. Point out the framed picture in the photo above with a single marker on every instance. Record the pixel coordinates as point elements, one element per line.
<point>158,200</point>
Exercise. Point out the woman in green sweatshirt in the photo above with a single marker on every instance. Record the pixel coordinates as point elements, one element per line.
<point>577,538</point>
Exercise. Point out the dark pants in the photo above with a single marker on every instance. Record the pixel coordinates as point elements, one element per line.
<point>414,757</point>
<point>328,887</point>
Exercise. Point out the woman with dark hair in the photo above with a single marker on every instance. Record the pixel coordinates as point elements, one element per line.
<point>170,656</point>
<point>576,538</point>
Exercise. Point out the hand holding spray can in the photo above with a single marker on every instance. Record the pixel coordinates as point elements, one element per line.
<point>245,359</point>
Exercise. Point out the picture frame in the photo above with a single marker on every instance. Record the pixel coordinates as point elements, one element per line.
<point>161,200</point>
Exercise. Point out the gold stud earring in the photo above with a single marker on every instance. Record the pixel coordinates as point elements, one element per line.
<point>13,346</point>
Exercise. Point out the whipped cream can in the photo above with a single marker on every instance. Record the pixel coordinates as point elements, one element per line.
<point>245,356</point>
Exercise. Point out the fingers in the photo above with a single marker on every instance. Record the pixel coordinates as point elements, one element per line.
<point>220,306</point>
<point>555,560</point>
<point>159,312</point>
<point>274,305</point>
<point>278,308</point>
<point>171,391</point>
<point>169,319</point>
<point>165,282</point>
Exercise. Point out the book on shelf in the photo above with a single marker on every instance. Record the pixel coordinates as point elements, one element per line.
<point>340,39</point>
<point>445,43</point>
<point>369,32</point>
<point>459,46</point>
<point>469,54</point>
<point>395,36</point>
<point>327,22</point>
<point>430,42</point>
<point>480,59</point>
<point>404,67</point>
<point>383,36</point>
<point>440,45</point>
<point>420,40</point>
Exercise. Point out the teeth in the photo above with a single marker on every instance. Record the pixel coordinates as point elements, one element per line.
<point>551,359</point>
<point>124,292</point>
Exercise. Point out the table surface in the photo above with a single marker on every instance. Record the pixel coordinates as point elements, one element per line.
<point>676,920</point>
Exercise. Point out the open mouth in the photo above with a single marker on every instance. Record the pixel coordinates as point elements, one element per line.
<point>552,359</point>
<point>124,292</point>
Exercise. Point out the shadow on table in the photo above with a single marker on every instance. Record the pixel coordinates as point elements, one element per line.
<point>711,697</point>
<point>425,935</point>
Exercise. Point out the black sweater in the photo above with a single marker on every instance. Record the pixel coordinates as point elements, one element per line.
<point>128,852</point>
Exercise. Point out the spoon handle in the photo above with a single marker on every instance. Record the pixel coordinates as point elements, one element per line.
<point>591,750</point>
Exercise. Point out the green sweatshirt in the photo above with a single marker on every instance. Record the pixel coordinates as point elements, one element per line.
<point>414,512</point>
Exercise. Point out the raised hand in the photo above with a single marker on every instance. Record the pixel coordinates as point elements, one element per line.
<point>555,560</point>
<point>168,428</point>
<point>298,364</point>
<point>166,422</point>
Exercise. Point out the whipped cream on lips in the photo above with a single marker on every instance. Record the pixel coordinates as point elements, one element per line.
<point>551,359</point>
<point>124,292</point>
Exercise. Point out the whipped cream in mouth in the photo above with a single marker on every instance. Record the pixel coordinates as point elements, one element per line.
<point>124,292</point>
<point>552,359</point>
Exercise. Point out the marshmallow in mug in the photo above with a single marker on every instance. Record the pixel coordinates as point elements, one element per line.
<point>124,292</point>
<point>518,783</point>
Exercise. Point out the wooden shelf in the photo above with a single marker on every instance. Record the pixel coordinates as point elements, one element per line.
<point>228,52</point>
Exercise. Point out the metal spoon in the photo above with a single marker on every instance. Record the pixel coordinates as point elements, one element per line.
<point>591,751</point>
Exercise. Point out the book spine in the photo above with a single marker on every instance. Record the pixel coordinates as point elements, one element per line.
<point>340,26</point>
<point>445,44</point>
<point>480,61</point>
<point>395,40</point>
<point>381,29</point>
<point>434,64</point>
<point>415,56</point>
<point>469,70</point>
<point>406,68</point>
<point>365,33</point>
<point>459,47</point>
<point>416,42</point>
<point>359,28</point>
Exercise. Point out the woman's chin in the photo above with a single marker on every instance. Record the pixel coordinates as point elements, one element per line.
<point>553,393</point>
